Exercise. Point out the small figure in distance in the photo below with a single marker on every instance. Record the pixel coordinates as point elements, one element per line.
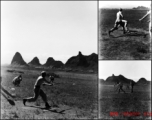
<point>120,85</point>
<point>120,22</point>
<point>132,83</point>
<point>16,81</point>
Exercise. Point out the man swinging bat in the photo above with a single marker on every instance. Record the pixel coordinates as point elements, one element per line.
<point>38,91</point>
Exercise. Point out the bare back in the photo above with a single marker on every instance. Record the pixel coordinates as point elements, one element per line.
<point>119,16</point>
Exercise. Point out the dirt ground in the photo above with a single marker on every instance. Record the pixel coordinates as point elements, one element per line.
<point>19,111</point>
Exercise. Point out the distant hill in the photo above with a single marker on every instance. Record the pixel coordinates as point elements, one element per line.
<point>18,60</point>
<point>111,80</point>
<point>34,62</point>
<point>134,8</point>
<point>115,79</point>
<point>140,8</point>
<point>143,81</point>
<point>52,63</point>
<point>102,81</point>
<point>76,61</point>
<point>90,61</point>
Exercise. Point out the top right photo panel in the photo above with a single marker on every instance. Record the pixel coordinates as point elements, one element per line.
<point>125,30</point>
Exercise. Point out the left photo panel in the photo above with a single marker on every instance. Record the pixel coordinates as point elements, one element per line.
<point>49,60</point>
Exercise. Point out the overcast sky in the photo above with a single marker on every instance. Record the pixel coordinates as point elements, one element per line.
<point>123,4</point>
<point>130,69</point>
<point>58,29</point>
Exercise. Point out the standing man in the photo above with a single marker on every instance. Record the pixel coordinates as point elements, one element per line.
<point>132,83</point>
<point>38,91</point>
<point>120,85</point>
<point>120,22</point>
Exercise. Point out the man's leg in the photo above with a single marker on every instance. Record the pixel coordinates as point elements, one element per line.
<point>122,89</point>
<point>44,98</point>
<point>18,83</point>
<point>34,98</point>
<point>124,25</point>
<point>116,88</point>
<point>114,28</point>
<point>124,31</point>
<point>14,82</point>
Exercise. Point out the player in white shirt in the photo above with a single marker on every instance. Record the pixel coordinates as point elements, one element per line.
<point>38,91</point>
<point>120,22</point>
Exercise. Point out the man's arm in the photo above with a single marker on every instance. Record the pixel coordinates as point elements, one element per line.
<point>121,15</point>
<point>47,83</point>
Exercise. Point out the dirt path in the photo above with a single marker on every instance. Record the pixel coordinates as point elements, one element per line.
<point>19,111</point>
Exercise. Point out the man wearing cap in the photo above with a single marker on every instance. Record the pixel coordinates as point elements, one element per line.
<point>120,22</point>
<point>38,91</point>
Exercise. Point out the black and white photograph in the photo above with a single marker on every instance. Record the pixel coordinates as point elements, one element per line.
<point>76,60</point>
<point>124,30</point>
<point>49,60</point>
<point>124,90</point>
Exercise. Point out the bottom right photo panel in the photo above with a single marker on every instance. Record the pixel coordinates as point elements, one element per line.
<point>125,90</point>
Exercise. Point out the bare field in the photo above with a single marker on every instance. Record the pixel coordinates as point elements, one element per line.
<point>80,95</point>
<point>127,106</point>
<point>118,46</point>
